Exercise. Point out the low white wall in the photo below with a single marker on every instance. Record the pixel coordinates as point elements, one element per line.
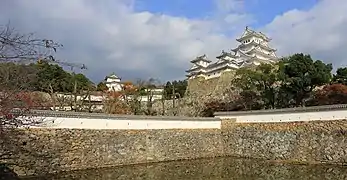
<point>99,121</point>
<point>288,117</point>
<point>90,123</point>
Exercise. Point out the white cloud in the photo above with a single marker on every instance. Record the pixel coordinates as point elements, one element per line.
<point>319,31</point>
<point>110,36</point>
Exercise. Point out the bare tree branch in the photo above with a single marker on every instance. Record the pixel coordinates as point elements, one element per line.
<point>24,48</point>
<point>16,99</point>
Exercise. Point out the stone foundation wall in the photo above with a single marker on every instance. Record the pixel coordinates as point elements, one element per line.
<point>210,87</point>
<point>201,86</point>
<point>308,142</point>
<point>200,91</point>
<point>38,151</point>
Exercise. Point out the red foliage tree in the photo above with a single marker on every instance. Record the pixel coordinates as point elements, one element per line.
<point>119,102</point>
<point>218,106</point>
<point>330,94</point>
<point>17,48</point>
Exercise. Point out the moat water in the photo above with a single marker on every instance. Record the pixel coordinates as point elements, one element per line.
<point>208,169</point>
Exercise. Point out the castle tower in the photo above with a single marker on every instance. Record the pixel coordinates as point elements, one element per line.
<point>199,66</point>
<point>253,50</point>
<point>113,82</point>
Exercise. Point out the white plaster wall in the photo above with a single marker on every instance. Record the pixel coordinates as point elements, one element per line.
<point>97,98</point>
<point>113,79</point>
<point>84,123</point>
<point>68,108</point>
<point>203,63</point>
<point>154,97</point>
<point>114,86</point>
<point>157,90</point>
<point>92,97</point>
<point>213,75</point>
<point>289,117</point>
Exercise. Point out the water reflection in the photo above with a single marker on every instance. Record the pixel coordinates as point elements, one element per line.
<point>209,169</point>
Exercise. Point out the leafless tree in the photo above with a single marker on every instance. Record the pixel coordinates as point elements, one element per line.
<point>63,101</point>
<point>82,101</point>
<point>19,47</point>
<point>15,97</point>
<point>149,87</point>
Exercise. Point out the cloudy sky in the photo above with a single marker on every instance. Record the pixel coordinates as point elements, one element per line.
<point>158,38</point>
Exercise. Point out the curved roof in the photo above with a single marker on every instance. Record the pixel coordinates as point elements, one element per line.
<point>200,58</point>
<point>112,76</point>
<point>249,32</point>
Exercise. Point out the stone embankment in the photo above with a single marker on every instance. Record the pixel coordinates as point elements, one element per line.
<point>199,92</point>
<point>52,148</point>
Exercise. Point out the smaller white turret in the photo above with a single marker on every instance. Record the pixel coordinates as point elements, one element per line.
<point>113,82</point>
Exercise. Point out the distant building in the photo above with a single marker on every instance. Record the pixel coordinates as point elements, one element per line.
<point>91,101</point>
<point>113,82</point>
<point>153,94</point>
<point>253,50</point>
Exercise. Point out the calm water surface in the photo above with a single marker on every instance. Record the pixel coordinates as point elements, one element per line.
<point>209,169</point>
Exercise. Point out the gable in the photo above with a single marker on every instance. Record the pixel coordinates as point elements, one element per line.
<point>245,33</point>
<point>195,66</point>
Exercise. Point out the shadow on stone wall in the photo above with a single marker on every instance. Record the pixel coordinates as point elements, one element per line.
<point>40,151</point>
<point>6,173</point>
<point>27,151</point>
<point>207,169</point>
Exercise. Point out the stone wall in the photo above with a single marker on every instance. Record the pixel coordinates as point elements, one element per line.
<point>38,151</point>
<point>201,86</point>
<point>200,91</point>
<point>210,87</point>
<point>305,142</point>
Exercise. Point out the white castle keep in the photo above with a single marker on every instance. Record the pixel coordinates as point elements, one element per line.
<point>113,82</point>
<point>253,50</point>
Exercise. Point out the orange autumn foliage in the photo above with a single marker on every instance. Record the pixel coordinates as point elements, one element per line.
<point>117,102</point>
<point>330,94</point>
<point>129,88</point>
<point>21,101</point>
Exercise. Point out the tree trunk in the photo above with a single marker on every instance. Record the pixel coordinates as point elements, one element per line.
<point>173,97</point>
<point>75,96</point>
<point>52,95</point>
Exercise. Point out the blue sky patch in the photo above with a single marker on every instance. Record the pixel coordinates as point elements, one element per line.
<point>264,11</point>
